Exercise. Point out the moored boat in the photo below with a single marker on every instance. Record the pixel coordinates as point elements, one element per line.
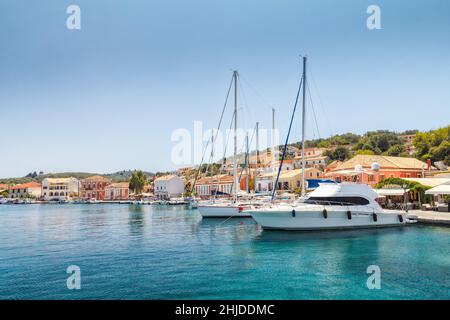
<point>329,207</point>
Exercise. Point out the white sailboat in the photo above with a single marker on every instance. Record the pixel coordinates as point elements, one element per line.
<point>227,208</point>
<point>329,207</point>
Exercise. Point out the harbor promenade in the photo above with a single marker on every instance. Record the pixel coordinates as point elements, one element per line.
<point>430,217</point>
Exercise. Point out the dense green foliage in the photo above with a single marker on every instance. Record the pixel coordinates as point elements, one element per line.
<point>378,141</point>
<point>434,145</point>
<point>137,181</point>
<point>339,153</point>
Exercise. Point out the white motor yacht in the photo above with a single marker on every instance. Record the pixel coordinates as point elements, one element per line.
<point>331,206</point>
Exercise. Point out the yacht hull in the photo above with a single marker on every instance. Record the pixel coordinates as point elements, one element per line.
<point>218,211</point>
<point>315,220</point>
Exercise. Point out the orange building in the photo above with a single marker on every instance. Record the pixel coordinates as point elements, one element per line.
<point>117,191</point>
<point>371,169</point>
<point>219,185</point>
<point>94,187</point>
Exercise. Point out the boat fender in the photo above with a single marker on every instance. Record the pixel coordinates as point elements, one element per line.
<point>325,213</point>
<point>293,213</point>
<point>349,215</point>
<point>375,218</point>
<point>400,218</point>
<point>241,208</point>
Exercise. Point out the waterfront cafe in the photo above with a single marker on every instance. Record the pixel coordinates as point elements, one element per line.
<point>441,196</point>
<point>393,197</point>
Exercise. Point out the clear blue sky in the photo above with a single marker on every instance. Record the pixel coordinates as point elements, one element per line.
<point>107,97</point>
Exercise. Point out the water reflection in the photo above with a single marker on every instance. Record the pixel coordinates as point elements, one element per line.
<point>136,220</point>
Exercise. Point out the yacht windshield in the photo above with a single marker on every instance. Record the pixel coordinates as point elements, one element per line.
<point>340,201</point>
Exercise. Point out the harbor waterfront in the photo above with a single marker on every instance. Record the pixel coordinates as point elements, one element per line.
<point>129,251</point>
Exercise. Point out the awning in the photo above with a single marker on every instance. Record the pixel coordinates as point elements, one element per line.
<point>390,192</point>
<point>441,189</point>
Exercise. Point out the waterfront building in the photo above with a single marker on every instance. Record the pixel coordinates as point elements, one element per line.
<point>25,190</point>
<point>311,161</point>
<point>60,189</point>
<point>216,185</point>
<point>288,180</point>
<point>371,169</point>
<point>117,191</point>
<point>168,186</point>
<point>94,187</point>
<point>3,187</point>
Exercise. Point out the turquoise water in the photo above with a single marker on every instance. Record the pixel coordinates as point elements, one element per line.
<point>150,252</point>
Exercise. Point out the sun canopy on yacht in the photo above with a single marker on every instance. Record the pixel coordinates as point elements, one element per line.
<point>440,189</point>
<point>391,191</point>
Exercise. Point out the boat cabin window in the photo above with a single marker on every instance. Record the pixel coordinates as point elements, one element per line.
<point>344,201</point>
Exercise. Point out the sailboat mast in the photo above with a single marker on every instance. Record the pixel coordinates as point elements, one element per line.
<point>247,179</point>
<point>257,155</point>
<point>303,127</point>
<point>235,176</point>
<point>273,149</point>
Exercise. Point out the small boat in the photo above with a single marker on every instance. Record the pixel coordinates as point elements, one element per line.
<point>223,210</point>
<point>177,201</point>
<point>92,201</point>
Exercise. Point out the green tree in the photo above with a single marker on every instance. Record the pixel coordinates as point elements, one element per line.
<point>397,150</point>
<point>137,181</point>
<point>339,153</point>
<point>378,141</point>
<point>433,145</point>
<point>364,151</point>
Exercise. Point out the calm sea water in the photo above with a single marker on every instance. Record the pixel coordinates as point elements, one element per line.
<point>159,252</point>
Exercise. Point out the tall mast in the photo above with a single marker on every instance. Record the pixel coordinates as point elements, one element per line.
<point>235,176</point>
<point>246,163</point>
<point>273,149</point>
<point>257,154</point>
<point>303,127</point>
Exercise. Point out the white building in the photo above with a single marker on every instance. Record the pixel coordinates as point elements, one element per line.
<point>168,186</point>
<point>310,162</point>
<point>59,189</point>
<point>31,189</point>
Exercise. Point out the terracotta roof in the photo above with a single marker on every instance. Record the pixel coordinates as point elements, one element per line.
<point>287,174</point>
<point>118,185</point>
<point>383,161</point>
<point>25,186</point>
<point>3,186</point>
<point>96,178</point>
<point>167,177</point>
<point>223,178</point>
